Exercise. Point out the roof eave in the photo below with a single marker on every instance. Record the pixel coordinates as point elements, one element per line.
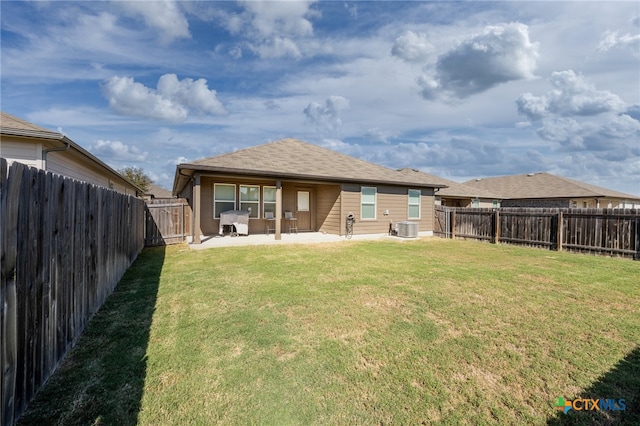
<point>32,133</point>
<point>276,174</point>
<point>54,136</point>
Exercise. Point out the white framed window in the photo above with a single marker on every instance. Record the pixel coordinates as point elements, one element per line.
<point>303,201</point>
<point>224,198</point>
<point>475,203</point>
<point>368,195</point>
<point>414,204</point>
<point>269,200</point>
<point>250,200</point>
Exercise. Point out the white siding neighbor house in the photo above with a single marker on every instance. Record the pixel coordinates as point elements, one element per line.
<point>44,149</point>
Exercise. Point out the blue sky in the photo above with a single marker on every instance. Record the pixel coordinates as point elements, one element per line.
<point>457,89</point>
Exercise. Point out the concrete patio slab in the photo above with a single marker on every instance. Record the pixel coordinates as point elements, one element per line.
<point>300,238</point>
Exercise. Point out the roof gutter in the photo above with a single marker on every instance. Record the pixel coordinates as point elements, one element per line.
<point>66,146</point>
<point>189,177</point>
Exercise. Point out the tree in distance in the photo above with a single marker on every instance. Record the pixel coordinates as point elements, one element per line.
<point>137,176</point>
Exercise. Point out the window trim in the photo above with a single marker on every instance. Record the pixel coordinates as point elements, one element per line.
<point>257,203</point>
<point>235,197</point>
<point>308,201</point>
<point>409,204</point>
<point>375,202</point>
<point>265,202</point>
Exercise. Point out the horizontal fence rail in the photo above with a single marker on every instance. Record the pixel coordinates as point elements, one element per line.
<point>613,232</point>
<point>65,245</point>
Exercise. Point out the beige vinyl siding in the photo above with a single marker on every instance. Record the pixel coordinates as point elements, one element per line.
<point>328,208</point>
<point>62,164</point>
<point>426,211</point>
<point>67,163</point>
<point>395,199</point>
<point>330,205</point>
<point>25,153</point>
<point>211,226</point>
<point>208,225</point>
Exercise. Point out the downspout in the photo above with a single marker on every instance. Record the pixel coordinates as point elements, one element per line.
<point>66,146</point>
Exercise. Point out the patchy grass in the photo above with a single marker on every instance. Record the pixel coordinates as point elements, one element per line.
<point>428,331</point>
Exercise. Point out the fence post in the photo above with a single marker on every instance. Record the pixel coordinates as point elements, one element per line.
<point>637,236</point>
<point>559,230</point>
<point>496,230</point>
<point>453,224</point>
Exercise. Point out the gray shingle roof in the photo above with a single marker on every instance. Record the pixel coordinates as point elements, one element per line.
<point>9,123</point>
<point>292,158</point>
<point>454,189</point>
<point>544,185</point>
<point>158,192</point>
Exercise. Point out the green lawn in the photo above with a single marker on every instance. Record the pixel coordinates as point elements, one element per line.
<point>429,331</point>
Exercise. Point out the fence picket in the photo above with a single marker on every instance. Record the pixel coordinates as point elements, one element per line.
<point>64,247</point>
<point>612,232</point>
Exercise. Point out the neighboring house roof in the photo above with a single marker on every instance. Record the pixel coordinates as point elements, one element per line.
<point>17,127</point>
<point>292,158</point>
<point>454,189</point>
<point>157,191</point>
<point>544,185</point>
<point>10,124</point>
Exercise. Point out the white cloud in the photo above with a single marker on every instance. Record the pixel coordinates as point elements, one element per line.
<point>173,100</point>
<point>497,55</point>
<point>377,134</point>
<point>116,150</point>
<point>327,117</point>
<point>612,39</point>
<point>573,95</point>
<point>163,15</point>
<point>277,18</point>
<point>616,134</point>
<point>353,10</point>
<point>577,116</point>
<point>412,47</point>
<point>194,94</point>
<point>276,47</point>
<point>272,29</point>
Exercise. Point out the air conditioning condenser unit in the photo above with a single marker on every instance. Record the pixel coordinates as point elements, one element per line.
<point>407,229</point>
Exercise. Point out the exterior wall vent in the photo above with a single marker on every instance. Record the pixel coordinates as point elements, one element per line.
<point>407,229</point>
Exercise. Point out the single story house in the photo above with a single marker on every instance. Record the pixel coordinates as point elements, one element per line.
<point>548,190</point>
<point>318,186</point>
<point>35,146</point>
<point>457,194</point>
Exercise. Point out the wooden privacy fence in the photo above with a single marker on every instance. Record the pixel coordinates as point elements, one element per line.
<point>167,222</point>
<point>614,232</point>
<point>64,246</point>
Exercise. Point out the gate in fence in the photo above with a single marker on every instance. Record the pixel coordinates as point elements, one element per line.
<point>167,223</point>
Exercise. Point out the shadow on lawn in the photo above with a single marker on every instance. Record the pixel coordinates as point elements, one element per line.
<point>101,380</point>
<point>621,382</point>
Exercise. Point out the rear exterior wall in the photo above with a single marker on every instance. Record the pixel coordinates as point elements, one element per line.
<point>395,200</point>
<point>325,203</point>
